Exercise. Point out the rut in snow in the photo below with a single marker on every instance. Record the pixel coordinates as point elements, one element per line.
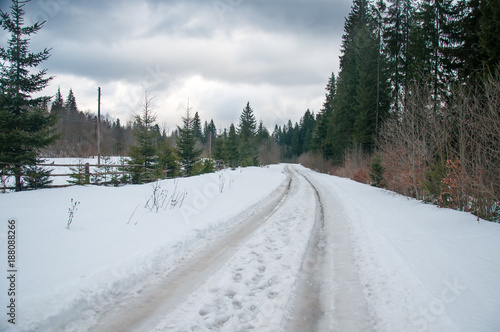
<point>329,296</point>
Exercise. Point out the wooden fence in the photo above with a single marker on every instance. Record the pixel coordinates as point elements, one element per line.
<point>82,171</point>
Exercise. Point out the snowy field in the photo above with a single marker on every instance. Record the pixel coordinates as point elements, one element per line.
<point>380,261</point>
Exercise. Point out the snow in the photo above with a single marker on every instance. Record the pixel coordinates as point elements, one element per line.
<point>251,292</point>
<point>64,272</point>
<point>410,266</point>
<point>423,268</point>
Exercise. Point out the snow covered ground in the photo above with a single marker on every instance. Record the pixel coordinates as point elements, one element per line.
<point>422,268</point>
<point>114,242</point>
<point>377,260</point>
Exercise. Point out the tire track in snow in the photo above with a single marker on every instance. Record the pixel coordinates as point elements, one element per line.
<point>330,296</point>
<point>309,308</point>
<point>254,289</point>
<point>155,301</point>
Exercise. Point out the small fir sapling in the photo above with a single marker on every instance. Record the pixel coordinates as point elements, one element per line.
<point>79,175</point>
<point>73,208</point>
<point>37,177</point>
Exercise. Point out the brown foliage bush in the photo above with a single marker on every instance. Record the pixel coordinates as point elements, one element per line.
<point>362,176</point>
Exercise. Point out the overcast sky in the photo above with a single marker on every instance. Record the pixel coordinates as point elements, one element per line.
<point>276,54</point>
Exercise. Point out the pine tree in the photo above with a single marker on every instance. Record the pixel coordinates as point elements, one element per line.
<point>70,104</point>
<point>341,121</point>
<point>197,126</point>
<point>320,142</point>
<point>57,106</point>
<point>24,121</point>
<point>212,130</point>
<point>247,130</point>
<point>477,34</point>
<point>209,132</point>
<point>431,47</point>
<point>219,147</point>
<point>262,133</point>
<point>247,125</point>
<point>296,141</point>
<point>145,152</point>
<point>277,133</point>
<point>168,161</point>
<point>489,38</point>
<point>372,99</point>
<point>396,36</point>
<point>186,144</point>
<point>307,124</point>
<point>232,147</point>
<point>38,177</point>
<point>355,102</point>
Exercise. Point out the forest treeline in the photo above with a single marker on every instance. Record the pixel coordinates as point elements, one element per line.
<point>246,143</point>
<point>77,131</point>
<point>415,105</point>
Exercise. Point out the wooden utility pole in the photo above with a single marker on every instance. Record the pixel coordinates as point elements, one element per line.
<point>99,126</point>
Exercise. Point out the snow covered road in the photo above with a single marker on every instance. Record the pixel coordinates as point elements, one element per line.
<point>331,298</point>
<point>264,249</point>
<point>246,281</point>
<point>144,312</point>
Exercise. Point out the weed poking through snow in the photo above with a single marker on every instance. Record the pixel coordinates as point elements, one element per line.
<point>73,208</point>
<point>160,198</point>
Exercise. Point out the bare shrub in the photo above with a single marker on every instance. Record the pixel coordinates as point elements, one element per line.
<point>362,176</point>
<point>356,166</point>
<point>447,152</point>
<point>408,143</point>
<point>315,161</point>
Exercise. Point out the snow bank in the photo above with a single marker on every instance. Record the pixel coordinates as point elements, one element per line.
<point>114,242</point>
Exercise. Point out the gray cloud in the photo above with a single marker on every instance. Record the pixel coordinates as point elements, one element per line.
<point>290,46</point>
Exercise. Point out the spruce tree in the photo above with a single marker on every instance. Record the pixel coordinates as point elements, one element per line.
<point>219,147</point>
<point>307,124</point>
<point>209,132</point>
<point>372,98</point>
<point>168,161</point>
<point>352,114</point>
<point>247,125</point>
<point>296,142</point>
<point>353,119</point>
<point>247,130</point>
<point>262,133</point>
<point>145,152</point>
<point>197,126</point>
<point>212,129</point>
<point>186,144</point>
<point>320,142</point>
<point>70,104</point>
<point>489,38</point>
<point>232,147</point>
<point>24,121</point>
<point>396,36</point>
<point>432,46</point>
<point>477,34</point>
<point>57,106</point>
<point>341,121</point>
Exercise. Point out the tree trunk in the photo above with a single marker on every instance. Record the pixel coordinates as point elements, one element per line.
<point>17,174</point>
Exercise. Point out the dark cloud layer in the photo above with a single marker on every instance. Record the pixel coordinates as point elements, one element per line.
<point>216,49</point>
